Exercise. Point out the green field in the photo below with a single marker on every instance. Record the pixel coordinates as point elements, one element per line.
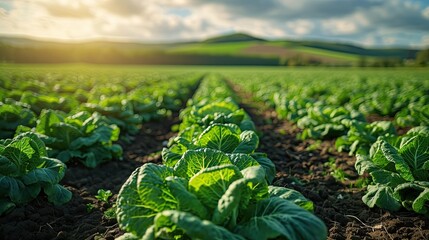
<point>79,68</point>
<point>212,49</point>
<point>239,48</point>
<point>210,152</point>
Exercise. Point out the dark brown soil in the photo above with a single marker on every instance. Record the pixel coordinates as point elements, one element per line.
<point>305,166</point>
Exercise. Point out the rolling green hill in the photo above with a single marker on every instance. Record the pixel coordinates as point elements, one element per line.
<point>232,49</point>
<point>235,37</point>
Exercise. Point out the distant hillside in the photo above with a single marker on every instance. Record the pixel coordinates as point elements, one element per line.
<point>231,49</point>
<point>352,49</point>
<point>235,37</point>
<point>28,42</point>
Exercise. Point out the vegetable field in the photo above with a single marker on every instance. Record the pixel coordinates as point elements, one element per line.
<point>130,152</point>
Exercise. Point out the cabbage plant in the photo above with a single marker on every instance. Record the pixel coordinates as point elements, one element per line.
<point>361,135</point>
<point>326,122</point>
<point>119,111</point>
<point>213,184</point>
<point>12,115</point>
<point>224,137</point>
<point>82,136</point>
<point>415,114</point>
<point>26,170</point>
<point>208,195</point>
<point>38,102</point>
<point>399,172</point>
<point>208,112</point>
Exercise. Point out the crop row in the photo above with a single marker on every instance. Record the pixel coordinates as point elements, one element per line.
<point>125,102</point>
<point>43,126</point>
<point>398,165</point>
<point>213,184</point>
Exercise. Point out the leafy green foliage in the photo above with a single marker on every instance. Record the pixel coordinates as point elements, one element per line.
<point>142,196</point>
<point>415,114</point>
<point>216,197</point>
<point>194,161</point>
<point>400,175</point>
<point>25,170</point>
<point>38,102</point>
<point>82,136</point>
<point>117,111</point>
<point>125,100</point>
<point>275,217</point>
<point>110,213</point>
<point>324,109</point>
<point>326,122</point>
<point>103,195</point>
<point>227,138</point>
<point>362,135</point>
<point>12,115</point>
<point>335,171</point>
<point>213,184</point>
<point>291,195</point>
<point>267,164</point>
<point>176,224</point>
<point>300,95</point>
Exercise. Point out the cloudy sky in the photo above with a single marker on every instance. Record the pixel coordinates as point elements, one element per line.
<point>365,22</point>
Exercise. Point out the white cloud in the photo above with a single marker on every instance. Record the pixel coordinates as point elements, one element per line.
<point>301,27</point>
<point>169,20</point>
<point>68,9</point>
<point>368,41</point>
<point>425,13</point>
<point>124,8</point>
<point>340,26</point>
<point>425,40</point>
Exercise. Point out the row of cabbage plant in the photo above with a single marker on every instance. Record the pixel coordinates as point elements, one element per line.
<point>213,184</point>
<point>398,166</point>
<point>34,147</point>
<point>88,132</point>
